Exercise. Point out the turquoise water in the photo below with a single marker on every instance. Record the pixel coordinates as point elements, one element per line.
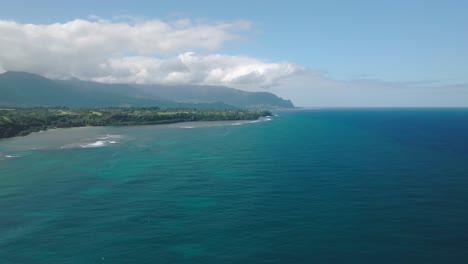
<point>317,186</point>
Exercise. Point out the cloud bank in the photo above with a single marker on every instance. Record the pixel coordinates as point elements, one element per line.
<point>150,51</point>
<point>136,51</point>
<point>190,68</point>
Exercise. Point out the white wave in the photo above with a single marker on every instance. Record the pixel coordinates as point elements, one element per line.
<point>4,157</point>
<point>97,144</point>
<point>254,121</point>
<point>262,119</point>
<point>187,127</point>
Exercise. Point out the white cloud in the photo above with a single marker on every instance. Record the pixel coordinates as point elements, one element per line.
<point>135,50</point>
<point>190,68</point>
<point>136,36</point>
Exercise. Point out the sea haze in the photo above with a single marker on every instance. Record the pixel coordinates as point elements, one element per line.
<point>323,186</point>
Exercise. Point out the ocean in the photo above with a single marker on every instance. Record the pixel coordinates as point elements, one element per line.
<point>309,186</point>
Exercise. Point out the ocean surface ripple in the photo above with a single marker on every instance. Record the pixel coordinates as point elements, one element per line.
<point>316,186</point>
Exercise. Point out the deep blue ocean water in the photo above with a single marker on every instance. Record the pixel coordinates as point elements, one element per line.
<point>315,186</point>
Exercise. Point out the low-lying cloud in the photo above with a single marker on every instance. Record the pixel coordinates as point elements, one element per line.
<point>187,52</point>
<point>190,68</point>
<point>136,51</point>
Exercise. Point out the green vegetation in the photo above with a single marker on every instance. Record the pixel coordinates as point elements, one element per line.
<point>20,89</point>
<point>204,94</point>
<point>22,121</point>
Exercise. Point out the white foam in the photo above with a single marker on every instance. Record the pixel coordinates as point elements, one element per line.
<point>262,119</point>
<point>187,127</point>
<point>97,144</point>
<point>11,156</point>
<point>254,121</point>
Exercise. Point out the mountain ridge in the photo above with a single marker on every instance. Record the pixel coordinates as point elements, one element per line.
<point>28,89</point>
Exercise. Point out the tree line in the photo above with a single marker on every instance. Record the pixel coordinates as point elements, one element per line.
<point>23,121</point>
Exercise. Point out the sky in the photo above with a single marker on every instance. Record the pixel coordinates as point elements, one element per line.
<point>316,53</point>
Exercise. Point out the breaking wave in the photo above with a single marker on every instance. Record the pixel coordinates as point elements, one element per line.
<point>97,144</point>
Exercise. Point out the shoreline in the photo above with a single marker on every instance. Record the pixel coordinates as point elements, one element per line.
<point>106,136</point>
<point>167,123</point>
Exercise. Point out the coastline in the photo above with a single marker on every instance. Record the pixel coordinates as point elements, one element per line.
<point>117,118</point>
<point>90,137</point>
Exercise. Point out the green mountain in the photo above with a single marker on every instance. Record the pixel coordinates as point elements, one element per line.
<point>26,89</point>
<point>205,93</point>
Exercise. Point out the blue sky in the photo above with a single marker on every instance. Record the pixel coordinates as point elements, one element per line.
<point>382,41</point>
